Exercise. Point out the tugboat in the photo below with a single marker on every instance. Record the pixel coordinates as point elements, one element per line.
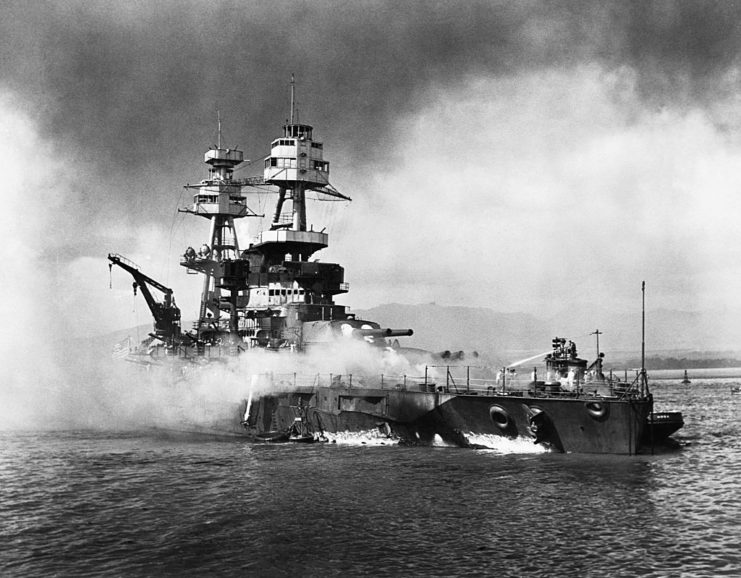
<point>273,297</point>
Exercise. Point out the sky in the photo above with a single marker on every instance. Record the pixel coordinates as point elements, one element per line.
<point>521,156</point>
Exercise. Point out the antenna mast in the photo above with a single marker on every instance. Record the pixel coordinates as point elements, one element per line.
<point>293,96</point>
<point>218,120</point>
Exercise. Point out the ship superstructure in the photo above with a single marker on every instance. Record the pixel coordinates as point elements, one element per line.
<point>272,293</point>
<point>290,297</point>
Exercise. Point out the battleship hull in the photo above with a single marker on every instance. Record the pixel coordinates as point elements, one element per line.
<point>564,424</point>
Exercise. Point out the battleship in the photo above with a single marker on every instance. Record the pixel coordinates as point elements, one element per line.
<point>273,297</point>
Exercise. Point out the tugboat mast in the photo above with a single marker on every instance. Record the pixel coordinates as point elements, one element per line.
<point>644,381</point>
<point>597,332</point>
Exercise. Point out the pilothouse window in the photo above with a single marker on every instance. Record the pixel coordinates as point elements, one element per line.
<point>284,163</point>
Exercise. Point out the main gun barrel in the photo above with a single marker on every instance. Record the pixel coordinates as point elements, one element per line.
<point>383,332</point>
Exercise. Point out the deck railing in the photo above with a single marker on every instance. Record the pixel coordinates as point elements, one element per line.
<point>455,380</point>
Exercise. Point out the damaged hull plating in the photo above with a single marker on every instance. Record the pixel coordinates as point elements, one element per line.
<point>425,414</point>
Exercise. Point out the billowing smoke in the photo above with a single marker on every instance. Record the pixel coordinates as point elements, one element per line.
<point>71,388</point>
<point>553,191</point>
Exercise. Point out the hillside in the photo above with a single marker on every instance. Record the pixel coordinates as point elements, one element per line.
<point>673,338</point>
<point>509,335</point>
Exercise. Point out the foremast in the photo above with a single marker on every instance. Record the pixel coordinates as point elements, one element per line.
<point>220,199</point>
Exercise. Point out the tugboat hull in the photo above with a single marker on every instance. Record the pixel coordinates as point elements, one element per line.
<point>565,424</point>
<point>568,424</point>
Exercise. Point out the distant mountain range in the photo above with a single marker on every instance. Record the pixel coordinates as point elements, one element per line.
<point>515,335</point>
<point>506,337</point>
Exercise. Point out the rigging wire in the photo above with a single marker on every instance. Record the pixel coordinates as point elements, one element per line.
<point>244,165</point>
<point>261,192</point>
<point>136,319</point>
<point>175,215</point>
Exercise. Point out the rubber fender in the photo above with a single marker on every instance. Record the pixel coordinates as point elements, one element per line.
<point>597,409</point>
<point>500,417</point>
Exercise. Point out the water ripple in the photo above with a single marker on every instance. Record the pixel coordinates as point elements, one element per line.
<point>136,503</point>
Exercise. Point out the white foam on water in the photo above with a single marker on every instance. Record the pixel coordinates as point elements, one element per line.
<point>506,445</point>
<point>439,442</point>
<point>494,443</point>
<point>362,438</point>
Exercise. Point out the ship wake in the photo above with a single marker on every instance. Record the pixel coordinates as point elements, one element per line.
<point>504,445</point>
<point>362,438</point>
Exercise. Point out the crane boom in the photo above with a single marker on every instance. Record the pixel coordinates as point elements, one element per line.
<point>166,315</point>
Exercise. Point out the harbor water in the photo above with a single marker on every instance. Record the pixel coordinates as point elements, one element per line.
<point>154,503</point>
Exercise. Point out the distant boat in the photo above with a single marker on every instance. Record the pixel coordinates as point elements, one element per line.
<point>736,389</point>
<point>686,379</point>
